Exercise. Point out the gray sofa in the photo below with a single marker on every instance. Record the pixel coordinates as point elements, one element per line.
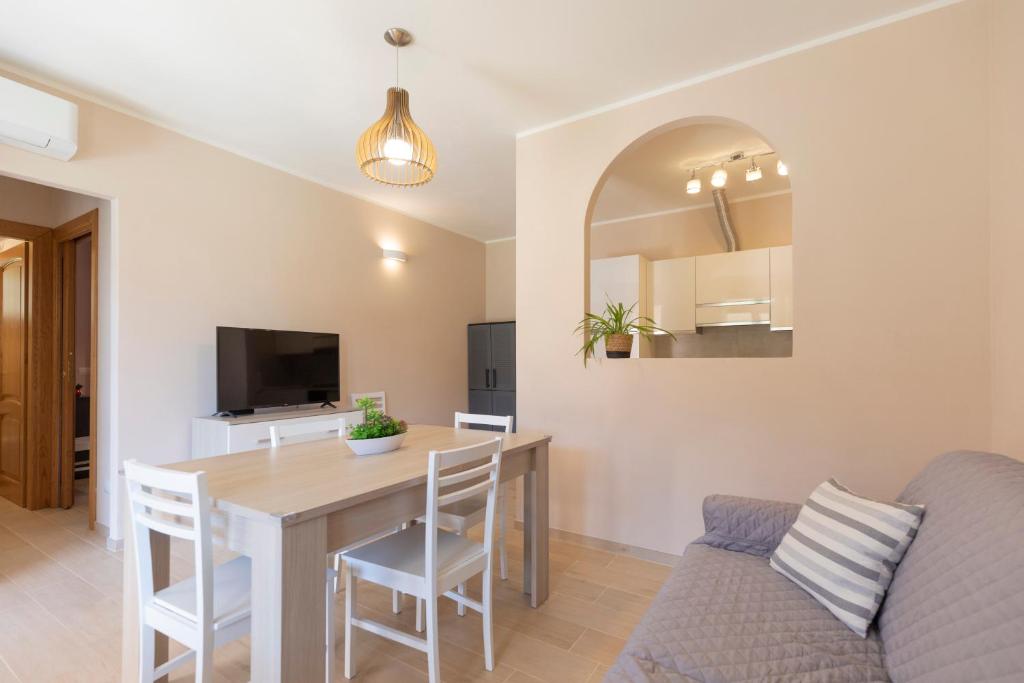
<point>954,611</point>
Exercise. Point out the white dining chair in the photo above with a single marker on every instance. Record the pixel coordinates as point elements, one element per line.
<point>427,561</point>
<point>210,608</point>
<point>296,432</point>
<point>462,516</point>
<point>379,398</point>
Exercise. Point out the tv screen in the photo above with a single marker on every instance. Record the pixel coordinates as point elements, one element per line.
<point>267,368</point>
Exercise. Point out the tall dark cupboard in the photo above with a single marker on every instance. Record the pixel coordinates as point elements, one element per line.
<point>492,369</point>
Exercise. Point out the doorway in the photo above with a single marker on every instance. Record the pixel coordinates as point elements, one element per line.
<point>49,326</point>
<point>76,266</point>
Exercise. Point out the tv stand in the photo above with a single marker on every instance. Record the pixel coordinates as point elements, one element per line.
<point>219,434</point>
<point>327,404</point>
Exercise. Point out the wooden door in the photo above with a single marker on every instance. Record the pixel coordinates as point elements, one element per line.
<point>13,333</point>
<point>66,439</point>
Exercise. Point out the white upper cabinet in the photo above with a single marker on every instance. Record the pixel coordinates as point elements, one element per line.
<point>622,279</point>
<point>781,260</point>
<point>733,277</point>
<point>673,285</point>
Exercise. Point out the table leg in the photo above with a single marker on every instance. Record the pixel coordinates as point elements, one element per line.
<point>160,547</point>
<point>288,601</point>
<point>535,527</point>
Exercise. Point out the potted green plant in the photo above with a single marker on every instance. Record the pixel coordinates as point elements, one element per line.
<point>379,433</point>
<point>616,327</point>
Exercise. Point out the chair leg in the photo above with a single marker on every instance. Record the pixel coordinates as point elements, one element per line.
<point>396,602</point>
<point>502,557</point>
<point>337,572</point>
<point>204,660</point>
<point>332,589</point>
<point>419,615</point>
<point>147,653</point>
<point>461,590</point>
<point>487,600</point>
<point>350,613</point>
<point>433,653</point>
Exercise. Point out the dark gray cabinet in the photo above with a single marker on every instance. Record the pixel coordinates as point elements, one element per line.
<point>492,368</point>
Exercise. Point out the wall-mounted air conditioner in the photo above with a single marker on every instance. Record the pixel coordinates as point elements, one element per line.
<point>37,121</point>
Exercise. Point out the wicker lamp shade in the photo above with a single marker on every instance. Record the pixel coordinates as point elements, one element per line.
<point>394,150</point>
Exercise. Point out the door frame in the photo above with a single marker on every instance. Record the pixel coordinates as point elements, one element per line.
<point>40,412</point>
<point>64,237</point>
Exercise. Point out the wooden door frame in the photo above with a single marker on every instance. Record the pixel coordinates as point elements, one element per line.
<point>64,237</point>
<point>40,411</point>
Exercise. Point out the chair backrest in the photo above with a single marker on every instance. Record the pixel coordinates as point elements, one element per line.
<point>176,504</point>
<point>379,398</point>
<point>307,431</point>
<point>465,419</point>
<point>482,474</point>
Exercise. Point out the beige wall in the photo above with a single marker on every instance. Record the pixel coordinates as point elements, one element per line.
<point>891,364</point>
<point>30,203</point>
<point>1006,137</point>
<point>198,237</point>
<point>501,281</point>
<point>763,222</point>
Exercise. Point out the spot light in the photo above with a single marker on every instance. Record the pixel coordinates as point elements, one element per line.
<point>693,184</point>
<point>781,168</point>
<point>719,177</point>
<point>754,172</point>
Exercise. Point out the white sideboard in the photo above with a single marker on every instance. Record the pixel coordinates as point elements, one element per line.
<point>220,435</point>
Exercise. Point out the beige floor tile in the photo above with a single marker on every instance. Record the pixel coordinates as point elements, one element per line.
<point>59,583</point>
<point>598,646</point>
<point>598,675</point>
<point>624,579</point>
<point>623,601</point>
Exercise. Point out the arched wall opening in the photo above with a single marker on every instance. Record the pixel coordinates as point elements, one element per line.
<point>692,225</point>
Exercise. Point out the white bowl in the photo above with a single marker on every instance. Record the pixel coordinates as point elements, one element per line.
<point>374,446</point>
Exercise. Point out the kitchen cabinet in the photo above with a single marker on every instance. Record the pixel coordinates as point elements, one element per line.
<point>673,294</point>
<point>621,279</point>
<point>735,277</point>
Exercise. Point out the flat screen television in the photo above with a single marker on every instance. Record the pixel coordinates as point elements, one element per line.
<point>272,368</point>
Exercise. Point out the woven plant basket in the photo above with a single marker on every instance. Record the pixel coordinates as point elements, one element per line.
<point>618,345</point>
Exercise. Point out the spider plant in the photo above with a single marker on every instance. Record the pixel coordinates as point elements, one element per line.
<point>617,319</point>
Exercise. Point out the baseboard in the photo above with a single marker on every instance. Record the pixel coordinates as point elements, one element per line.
<point>610,546</point>
<point>114,545</point>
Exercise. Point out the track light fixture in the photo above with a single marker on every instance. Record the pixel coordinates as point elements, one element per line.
<point>719,177</point>
<point>693,185</point>
<point>754,172</point>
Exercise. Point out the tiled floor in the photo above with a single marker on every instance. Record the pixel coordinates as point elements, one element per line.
<point>60,613</point>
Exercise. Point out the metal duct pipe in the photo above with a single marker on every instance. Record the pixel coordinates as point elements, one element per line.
<point>724,219</point>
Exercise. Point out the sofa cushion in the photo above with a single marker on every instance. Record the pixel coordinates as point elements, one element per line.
<point>746,525</point>
<point>955,609</point>
<point>727,616</point>
<point>844,548</point>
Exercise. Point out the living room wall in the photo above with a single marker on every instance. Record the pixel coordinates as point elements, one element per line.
<point>1006,141</point>
<point>886,138</point>
<point>200,237</point>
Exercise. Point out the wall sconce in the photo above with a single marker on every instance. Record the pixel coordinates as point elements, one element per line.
<point>394,255</point>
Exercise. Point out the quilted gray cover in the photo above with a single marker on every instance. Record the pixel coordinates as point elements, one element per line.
<point>728,616</point>
<point>955,609</point>
<point>746,525</point>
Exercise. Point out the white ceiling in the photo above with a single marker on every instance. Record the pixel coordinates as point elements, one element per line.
<point>293,84</point>
<point>651,177</point>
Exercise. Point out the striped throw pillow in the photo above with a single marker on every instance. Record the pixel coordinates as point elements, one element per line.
<point>843,550</point>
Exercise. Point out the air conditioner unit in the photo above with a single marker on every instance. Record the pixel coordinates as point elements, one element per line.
<point>37,121</point>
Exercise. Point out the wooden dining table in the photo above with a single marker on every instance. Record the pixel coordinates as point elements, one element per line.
<point>287,507</point>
